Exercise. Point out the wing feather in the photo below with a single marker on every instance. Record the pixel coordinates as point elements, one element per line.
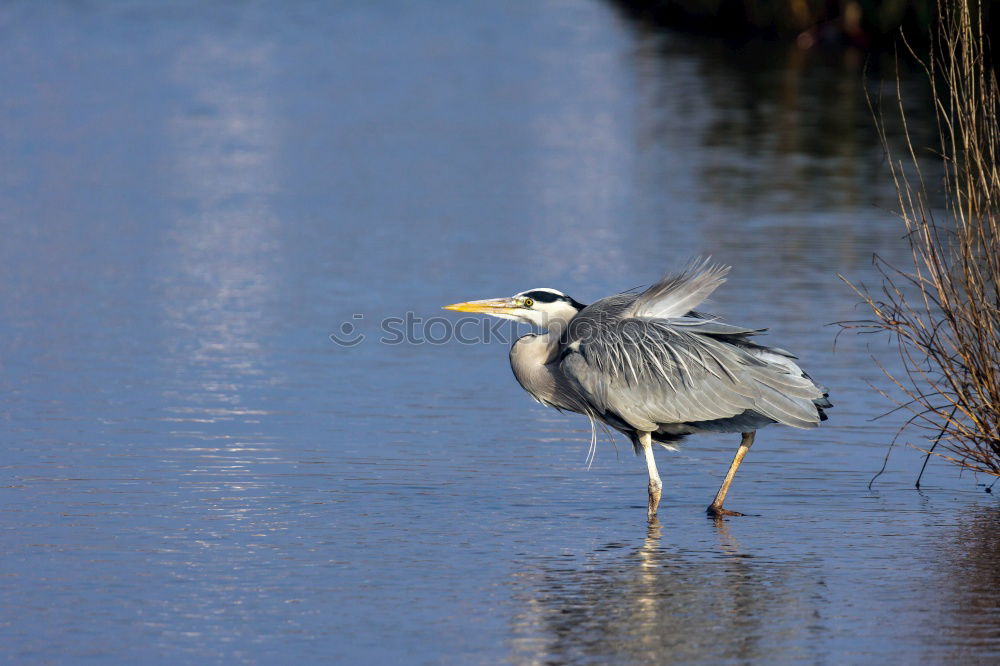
<point>648,360</point>
<point>677,295</point>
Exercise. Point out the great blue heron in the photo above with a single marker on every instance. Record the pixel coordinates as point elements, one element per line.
<point>653,368</point>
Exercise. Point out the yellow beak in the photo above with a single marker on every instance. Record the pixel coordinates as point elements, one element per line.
<point>487,306</point>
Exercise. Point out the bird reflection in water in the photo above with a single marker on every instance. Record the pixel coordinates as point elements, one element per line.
<point>657,604</point>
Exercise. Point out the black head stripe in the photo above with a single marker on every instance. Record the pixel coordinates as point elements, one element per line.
<point>544,296</point>
<point>541,296</point>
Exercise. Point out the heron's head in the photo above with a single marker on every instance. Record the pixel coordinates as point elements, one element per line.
<point>545,308</point>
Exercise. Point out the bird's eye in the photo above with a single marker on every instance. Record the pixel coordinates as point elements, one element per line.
<point>528,302</point>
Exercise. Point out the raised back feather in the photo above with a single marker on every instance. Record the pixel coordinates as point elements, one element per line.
<point>676,295</point>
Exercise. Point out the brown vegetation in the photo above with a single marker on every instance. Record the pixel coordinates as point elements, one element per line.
<point>944,310</point>
<point>861,23</point>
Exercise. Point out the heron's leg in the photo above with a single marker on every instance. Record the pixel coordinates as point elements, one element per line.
<point>715,509</point>
<point>655,484</point>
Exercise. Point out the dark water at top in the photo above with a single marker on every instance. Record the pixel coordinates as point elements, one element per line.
<point>193,198</point>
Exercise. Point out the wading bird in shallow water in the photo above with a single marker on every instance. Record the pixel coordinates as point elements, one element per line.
<point>652,367</point>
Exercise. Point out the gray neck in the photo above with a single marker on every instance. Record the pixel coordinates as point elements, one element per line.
<point>529,358</point>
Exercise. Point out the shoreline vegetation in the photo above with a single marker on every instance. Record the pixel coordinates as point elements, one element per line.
<point>943,311</point>
<point>863,24</point>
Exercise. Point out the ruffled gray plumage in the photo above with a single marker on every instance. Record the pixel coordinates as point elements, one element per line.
<point>650,363</point>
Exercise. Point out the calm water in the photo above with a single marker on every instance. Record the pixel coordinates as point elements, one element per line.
<point>192,199</point>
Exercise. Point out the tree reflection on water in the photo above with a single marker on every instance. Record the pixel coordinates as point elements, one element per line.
<point>970,583</point>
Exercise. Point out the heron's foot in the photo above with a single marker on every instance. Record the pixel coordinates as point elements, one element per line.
<point>654,500</point>
<point>718,512</point>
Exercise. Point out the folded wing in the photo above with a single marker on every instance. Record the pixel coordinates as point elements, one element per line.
<point>648,360</point>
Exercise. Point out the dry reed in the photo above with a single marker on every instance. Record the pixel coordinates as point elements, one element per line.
<point>944,310</point>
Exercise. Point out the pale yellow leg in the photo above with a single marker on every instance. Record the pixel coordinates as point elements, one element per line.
<point>655,485</point>
<point>715,509</point>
